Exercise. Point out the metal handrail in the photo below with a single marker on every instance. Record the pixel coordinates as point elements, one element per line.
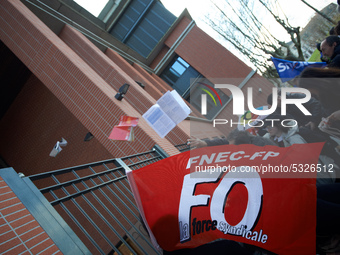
<point>69,189</point>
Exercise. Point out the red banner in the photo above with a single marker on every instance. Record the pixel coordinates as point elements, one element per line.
<point>197,197</point>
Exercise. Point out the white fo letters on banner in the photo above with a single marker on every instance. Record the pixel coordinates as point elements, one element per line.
<point>189,227</point>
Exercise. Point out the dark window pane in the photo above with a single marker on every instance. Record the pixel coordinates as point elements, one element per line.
<point>143,25</point>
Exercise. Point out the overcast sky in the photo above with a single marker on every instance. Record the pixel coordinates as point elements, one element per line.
<point>297,12</point>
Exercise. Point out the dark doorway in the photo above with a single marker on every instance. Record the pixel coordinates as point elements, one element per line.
<point>13,76</point>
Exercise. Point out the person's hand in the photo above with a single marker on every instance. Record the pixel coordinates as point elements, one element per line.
<point>311,125</point>
<point>195,142</point>
<point>334,117</point>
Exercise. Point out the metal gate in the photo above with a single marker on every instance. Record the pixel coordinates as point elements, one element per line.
<point>95,200</point>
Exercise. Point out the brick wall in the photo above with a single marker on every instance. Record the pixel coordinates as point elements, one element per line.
<point>218,62</point>
<point>105,65</point>
<point>182,25</point>
<point>32,126</point>
<point>20,232</point>
<point>73,82</point>
<point>150,88</point>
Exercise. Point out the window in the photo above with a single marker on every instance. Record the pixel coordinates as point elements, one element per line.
<point>190,84</point>
<point>178,75</point>
<point>142,25</point>
<point>174,71</point>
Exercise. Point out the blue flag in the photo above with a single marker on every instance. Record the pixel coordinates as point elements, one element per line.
<point>288,70</point>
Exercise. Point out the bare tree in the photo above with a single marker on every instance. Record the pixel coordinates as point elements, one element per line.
<point>241,23</point>
<point>318,12</point>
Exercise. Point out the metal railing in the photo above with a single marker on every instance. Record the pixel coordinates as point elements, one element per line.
<point>96,202</point>
<point>183,147</point>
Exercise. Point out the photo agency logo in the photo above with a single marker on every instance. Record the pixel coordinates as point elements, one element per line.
<point>204,97</point>
<point>238,102</point>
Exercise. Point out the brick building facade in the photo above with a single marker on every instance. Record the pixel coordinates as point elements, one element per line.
<point>61,68</point>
